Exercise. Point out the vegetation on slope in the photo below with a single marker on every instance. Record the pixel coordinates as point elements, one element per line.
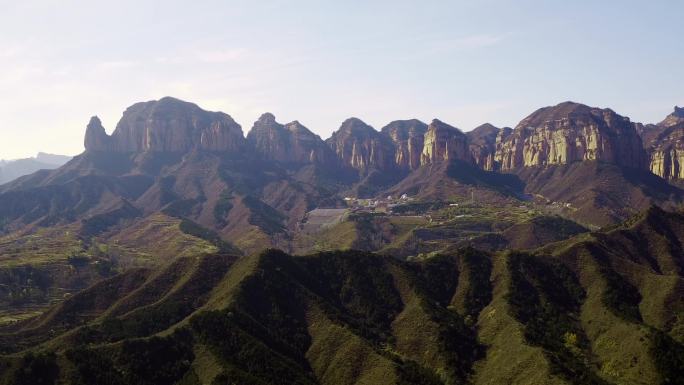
<point>546,296</point>
<point>347,317</point>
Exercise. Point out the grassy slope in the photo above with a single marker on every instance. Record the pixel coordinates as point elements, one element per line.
<point>592,309</point>
<point>509,360</point>
<point>348,338</point>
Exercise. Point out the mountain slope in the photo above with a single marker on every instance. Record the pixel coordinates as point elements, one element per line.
<point>599,308</point>
<point>13,169</point>
<point>329,319</point>
<point>598,193</point>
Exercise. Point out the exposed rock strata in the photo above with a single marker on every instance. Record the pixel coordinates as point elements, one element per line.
<point>561,134</point>
<point>571,132</point>
<point>289,143</point>
<point>482,142</point>
<point>359,146</point>
<point>444,143</point>
<point>666,153</point>
<point>96,138</point>
<point>168,125</point>
<point>408,137</point>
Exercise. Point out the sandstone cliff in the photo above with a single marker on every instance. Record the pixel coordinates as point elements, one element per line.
<point>168,125</point>
<point>96,138</point>
<point>359,146</point>
<point>289,143</point>
<point>444,143</point>
<point>664,143</point>
<point>571,132</point>
<point>482,144</point>
<point>675,117</point>
<point>407,136</point>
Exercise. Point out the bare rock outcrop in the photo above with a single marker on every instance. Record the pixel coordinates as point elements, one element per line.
<point>676,117</point>
<point>408,137</point>
<point>96,138</point>
<point>571,132</point>
<point>444,143</point>
<point>664,143</point>
<point>289,143</point>
<point>360,146</point>
<point>169,125</point>
<point>482,143</point>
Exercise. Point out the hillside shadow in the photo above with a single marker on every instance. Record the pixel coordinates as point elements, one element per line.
<point>506,184</point>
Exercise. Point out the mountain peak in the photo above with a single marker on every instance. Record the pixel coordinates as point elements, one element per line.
<point>408,138</point>
<point>483,134</point>
<point>444,142</point>
<point>356,126</point>
<point>267,118</point>
<point>678,111</point>
<point>291,143</point>
<point>482,143</point>
<point>440,125</point>
<point>562,111</point>
<point>676,117</point>
<point>96,138</point>
<point>403,129</point>
<point>360,146</point>
<point>588,133</point>
<point>173,125</point>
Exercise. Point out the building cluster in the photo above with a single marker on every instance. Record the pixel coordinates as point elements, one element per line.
<point>382,205</point>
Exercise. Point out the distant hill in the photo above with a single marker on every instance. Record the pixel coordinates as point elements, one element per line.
<point>13,169</point>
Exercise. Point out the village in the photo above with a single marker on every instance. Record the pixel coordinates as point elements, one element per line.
<point>378,205</point>
<point>399,206</point>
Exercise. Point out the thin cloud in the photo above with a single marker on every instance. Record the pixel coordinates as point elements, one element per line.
<point>116,64</point>
<point>9,52</point>
<point>466,42</point>
<point>208,57</point>
<point>222,56</point>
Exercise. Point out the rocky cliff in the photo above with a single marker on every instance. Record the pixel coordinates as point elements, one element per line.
<point>571,132</point>
<point>167,125</point>
<point>676,117</point>
<point>482,144</point>
<point>407,137</point>
<point>664,143</point>
<point>360,146</point>
<point>667,158</point>
<point>444,143</point>
<point>96,138</point>
<point>289,143</point>
<point>560,134</point>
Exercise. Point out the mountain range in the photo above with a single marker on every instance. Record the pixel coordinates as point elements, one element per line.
<point>13,169</point>
<point>170,155</point>
<point>178,250</point>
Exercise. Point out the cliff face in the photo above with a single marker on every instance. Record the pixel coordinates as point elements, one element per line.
<point>359,146</point>
<point>561,134</point>
<point>407,136</point>
<point>667,159</point>
<point>571,132</point>
<point>482,144</point>
<point>289,143</point>
<point>674,118</point>
<point>96,138</point>
<point>169,125</point>
<point>444,143</point>
<point>664,143</point>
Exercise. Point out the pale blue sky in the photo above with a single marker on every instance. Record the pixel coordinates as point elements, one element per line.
<point>465,62</point>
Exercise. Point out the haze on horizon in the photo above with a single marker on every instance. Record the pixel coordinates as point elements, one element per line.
<point>320,62</point>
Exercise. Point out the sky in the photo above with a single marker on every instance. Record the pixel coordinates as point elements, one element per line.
<point>465,62</point>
